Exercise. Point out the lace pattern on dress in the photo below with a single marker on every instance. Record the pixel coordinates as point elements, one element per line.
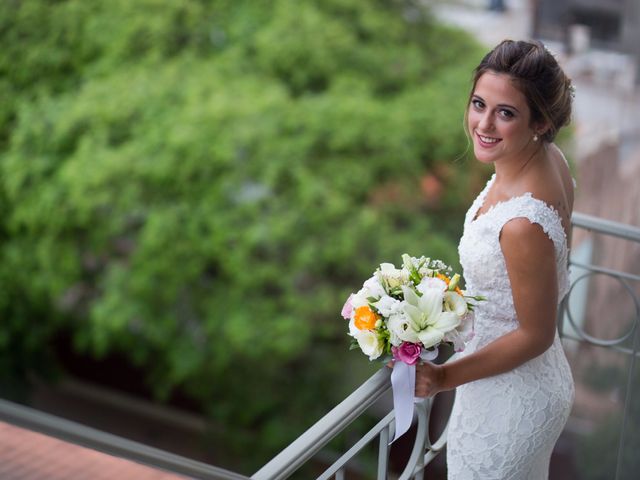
<point>505,426</point>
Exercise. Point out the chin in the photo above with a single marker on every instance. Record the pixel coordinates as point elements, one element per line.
<point>483,156</point>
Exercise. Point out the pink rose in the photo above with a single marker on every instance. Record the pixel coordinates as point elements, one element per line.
<point>347,309</point>
<point>407,353</point>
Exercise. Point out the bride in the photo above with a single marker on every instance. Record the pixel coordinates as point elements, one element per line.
<point>514,386</point>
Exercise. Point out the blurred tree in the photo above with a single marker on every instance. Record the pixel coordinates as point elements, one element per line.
<point>199,184</point>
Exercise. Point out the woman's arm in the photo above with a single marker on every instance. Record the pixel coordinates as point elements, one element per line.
<point>530,260</point>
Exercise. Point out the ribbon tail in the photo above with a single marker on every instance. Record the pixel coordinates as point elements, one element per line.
<point>403,383</point>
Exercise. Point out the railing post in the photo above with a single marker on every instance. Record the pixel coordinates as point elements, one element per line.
<point>383,454</point>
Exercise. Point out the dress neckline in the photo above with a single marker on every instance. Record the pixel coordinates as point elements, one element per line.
<point>482,198</point>
<point>477,216</point>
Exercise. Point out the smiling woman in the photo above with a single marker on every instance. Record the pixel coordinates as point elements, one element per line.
<point>514,388</point>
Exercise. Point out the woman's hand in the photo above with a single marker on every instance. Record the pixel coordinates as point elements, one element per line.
<point>429,379</point>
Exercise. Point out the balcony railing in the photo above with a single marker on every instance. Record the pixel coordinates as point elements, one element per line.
<point>424,451</point>
<point>111,444</point>
<point>627,344</point>
<point>316,438</point>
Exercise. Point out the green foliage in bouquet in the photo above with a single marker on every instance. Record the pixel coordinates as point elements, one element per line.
<point>198,184</point>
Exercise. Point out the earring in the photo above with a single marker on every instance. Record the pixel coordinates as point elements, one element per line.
<point>535,137</point>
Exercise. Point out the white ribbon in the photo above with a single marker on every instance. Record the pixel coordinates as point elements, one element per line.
<point>403,383</point>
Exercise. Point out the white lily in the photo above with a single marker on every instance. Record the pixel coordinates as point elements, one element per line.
<point>426,315</point>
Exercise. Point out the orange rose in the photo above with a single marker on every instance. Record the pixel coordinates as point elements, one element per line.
<point>365,318</point>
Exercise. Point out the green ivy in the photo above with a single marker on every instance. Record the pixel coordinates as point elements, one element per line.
<point>199,185</point>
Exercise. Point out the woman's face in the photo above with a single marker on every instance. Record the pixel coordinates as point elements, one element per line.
<point>499,120</point>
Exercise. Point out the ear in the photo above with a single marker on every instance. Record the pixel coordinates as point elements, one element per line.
<point>541,128</point>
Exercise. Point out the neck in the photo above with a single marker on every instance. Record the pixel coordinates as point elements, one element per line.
<point>510,170</point>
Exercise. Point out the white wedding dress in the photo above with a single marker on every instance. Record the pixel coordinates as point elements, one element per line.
<point>504,427</point>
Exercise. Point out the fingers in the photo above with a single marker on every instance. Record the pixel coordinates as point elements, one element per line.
<point>426,380</point>
<point>423,390</point>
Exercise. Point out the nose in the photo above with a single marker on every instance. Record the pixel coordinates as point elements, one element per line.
<point>485,122</point>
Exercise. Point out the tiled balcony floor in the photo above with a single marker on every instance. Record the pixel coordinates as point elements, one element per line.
<point>27,455</point>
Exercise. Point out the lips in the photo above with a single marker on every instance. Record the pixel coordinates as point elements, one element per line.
<point>486,141</point>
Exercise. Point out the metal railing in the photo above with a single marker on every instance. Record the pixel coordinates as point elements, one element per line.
<point>78,434</point>
<point>315,438</point>
<point>628,343</point>
<point>337,420</point>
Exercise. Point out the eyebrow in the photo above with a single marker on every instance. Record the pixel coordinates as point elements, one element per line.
<point>474,96</point>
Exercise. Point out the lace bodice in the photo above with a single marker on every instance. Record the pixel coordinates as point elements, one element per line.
<point>481,256</point>
<point>504,427</point>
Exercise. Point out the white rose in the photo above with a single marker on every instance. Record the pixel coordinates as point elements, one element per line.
<point>387,306</point>
<point>394,340</point>
<point>359,299</point>
<point>401,329</point>
<point>374,287</point>
<point>369,343</point>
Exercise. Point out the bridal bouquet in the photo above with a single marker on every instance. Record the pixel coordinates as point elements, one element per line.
<point>405,314</point>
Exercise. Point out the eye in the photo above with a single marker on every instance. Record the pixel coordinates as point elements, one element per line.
<point>477,104</point>
<point>508,114</point>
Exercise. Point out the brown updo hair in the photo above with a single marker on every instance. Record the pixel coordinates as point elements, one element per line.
<point>536,73</point>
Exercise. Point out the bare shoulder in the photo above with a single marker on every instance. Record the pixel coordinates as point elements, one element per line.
<point>525,240</point>
<point>529,258</point>
<point>553,184</point>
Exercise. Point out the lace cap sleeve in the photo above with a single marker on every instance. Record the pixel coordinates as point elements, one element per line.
<point>536,211</point>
